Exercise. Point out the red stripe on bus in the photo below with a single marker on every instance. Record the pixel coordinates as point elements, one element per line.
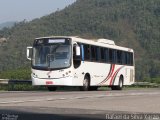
<point>115,74</point>
<point>109,74</point>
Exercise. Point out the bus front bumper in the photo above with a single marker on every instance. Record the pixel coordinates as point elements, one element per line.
<point>65,81</point>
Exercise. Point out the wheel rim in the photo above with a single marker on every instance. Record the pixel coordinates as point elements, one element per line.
<point>120,84</point>
<point>85,83</point>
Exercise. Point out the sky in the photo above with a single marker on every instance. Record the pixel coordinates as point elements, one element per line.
<point>18,10</point>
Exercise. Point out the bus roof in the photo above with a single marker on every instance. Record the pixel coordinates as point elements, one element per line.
<point>98,42</point>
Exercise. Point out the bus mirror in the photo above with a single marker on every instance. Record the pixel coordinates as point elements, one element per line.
<point>29,53</point>
<point>78,51</point>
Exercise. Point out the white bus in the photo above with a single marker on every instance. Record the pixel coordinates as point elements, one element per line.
<point>73,61</point>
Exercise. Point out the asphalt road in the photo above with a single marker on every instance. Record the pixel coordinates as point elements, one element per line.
<point>78,105</point>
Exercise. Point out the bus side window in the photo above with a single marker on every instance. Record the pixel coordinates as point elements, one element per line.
<point>86,52</point>
<point>119,57</point>
<point>98,54</point>
<point>102,55</point>
<point>106,55</point>
<point>93,53</point>
<point>128,58</point>
<point>123,58</point>
<point>131,55</point>
<point>115,56</point>
<point>112,56</point>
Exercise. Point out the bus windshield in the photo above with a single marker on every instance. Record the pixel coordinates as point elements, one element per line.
<point>54,56</point>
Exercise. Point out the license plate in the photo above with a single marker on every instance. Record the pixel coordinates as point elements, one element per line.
<point>49,83</point>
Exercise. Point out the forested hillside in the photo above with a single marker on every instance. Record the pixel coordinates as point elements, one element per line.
<point>130,23</point>
<point>7,25</point>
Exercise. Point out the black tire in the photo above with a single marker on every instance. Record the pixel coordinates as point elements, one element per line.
<point>51,88</point>
<point>86,84</point>
<point>94,88</point>
<point>120,85</point>
<point>113,88</point>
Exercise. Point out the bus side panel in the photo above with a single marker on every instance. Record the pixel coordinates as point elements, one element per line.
<point>97,71</point>
<point>102,74</point>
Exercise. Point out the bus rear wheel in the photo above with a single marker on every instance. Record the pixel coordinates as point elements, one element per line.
<point>86,84</point>
<point>52,88</point>
<point>120,85</point>
<point>94,88</point>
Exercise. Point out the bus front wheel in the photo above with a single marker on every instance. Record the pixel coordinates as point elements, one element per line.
<point>86,84</point>
<point>51,88</point>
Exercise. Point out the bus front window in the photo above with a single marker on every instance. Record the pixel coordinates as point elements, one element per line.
<point>51,56</point>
